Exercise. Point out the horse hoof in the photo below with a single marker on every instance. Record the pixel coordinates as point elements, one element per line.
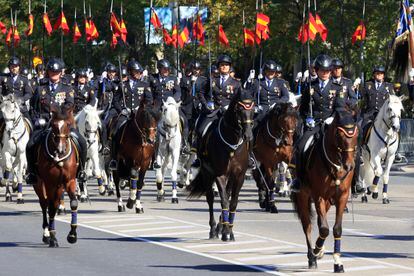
<point>121,208</point>
<point>212,235</point>
<point>232,237</point>
<point>364,199</point>
<point>160,198</point>
<point>20,201</point>
<point>273,209</point>
<point>53,243</point>
<point>180,185</point>
<point>46,240</point>
<point>374,195</point>
<point>61,211</point>
<point>72,238</point>
<point>338,268</point>
<point>130,203</point>
<point>385,201</point>
<point>225,237</point>
<point>139,210</point>
<point>312,264</point>
<point>346,210</point>
<point>174,200</point>
<point>111,193</point>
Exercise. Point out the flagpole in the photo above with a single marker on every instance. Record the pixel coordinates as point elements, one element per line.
<point>255,33</point>
<point>61,32</point>
<point>178,44</point>
<point>244,48</point>
<point>301,48</point>
<point>218,34</point>
<point>43,34</point>
<point>86,35</point>
<point>309,67</point>
<point>73,44</point>
<point>30,40</point>
<point>362,46</point>
<point>12,32</point>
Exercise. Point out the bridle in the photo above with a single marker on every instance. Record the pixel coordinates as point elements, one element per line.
<point>144,136</point>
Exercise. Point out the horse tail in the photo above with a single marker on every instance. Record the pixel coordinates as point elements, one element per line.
<point>197,187</point>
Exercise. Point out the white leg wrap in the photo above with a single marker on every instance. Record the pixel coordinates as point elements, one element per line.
<point>46,232</point>
<point>337,258</point>
<point>174,193</point>
<point>133,194</point>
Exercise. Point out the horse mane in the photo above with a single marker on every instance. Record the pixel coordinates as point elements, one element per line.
<point>393,99</point>
<point>62,113</point>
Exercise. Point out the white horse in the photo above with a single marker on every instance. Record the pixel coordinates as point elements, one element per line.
<point>15,137</point>
<point>382,146</point>
<point>169,146</point>
<point>88,122</point>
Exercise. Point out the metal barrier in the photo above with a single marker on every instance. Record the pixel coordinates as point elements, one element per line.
<point>406,147</point>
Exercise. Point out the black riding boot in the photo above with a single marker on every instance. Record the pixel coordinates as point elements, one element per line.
<point>104,140</point>
<point>31,156</point>
<point>113,164</point>
<point>81,144</point>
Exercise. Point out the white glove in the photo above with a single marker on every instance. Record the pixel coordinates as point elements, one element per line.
<point>329,120</point>
<point>90,76</point>
<point>357,82</point>
<point>251,75</point>
<point>126,111</point>
<point>193,78</point>
<point>29,76</point>
<point>145,73</point>
<point>74,75</point>
<point>411,74</point>
<point>299,76</point>
<point>305,75</point>
<point>40,122</point>
<point>180,75</point>
<point>104,75</point>
<point>260,76</point>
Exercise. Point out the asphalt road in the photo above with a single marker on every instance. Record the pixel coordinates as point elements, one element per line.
<point>171,239</point>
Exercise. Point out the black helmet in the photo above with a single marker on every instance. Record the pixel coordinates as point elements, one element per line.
<point>270,65</point>
<point>224,59</point>
<point>110,67</point>
<point>337,63</point>
<point>379,69</point>
<point>163,63</point>
<point>54,65</point>
<point>134,65</point>
<point>124,71</point>
<point>14,61</point>
<point>323,62</point>
<point>82,72</point>
<point>25,71</point>
<point>214,69</point>
<point>195,64</point>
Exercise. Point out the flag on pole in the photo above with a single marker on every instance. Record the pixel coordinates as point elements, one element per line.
<point>47,24</point>
<point>312,27</point>
<point>198,30</point>
<point>248,37</point>
<point>262,28</point>
<point>114,23</point>
<point>124,31</point>
<point>62,23</point>
<point>174,35</point>
<point>155,20</point>
<point>184,37</point>
<point>167,38</point>
<point>30,26</point>
<point>322,30</point>
<point>16,36</point>
<point>9,36</point>
<point>94,34</point>
<point>303,35</point>
<point>76,33</point>
<point>114,40</point>
<point>222,38</point>
<point>360,33</point>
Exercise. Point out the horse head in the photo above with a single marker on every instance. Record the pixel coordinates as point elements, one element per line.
<point>343,135</point>
<point>391,113</point>
<point>284,118</point>
<point>92,123</point>
<point>11,112</point>
<point>170,115</point>
<point>61,123</point>
<point>242,110</point>
<point>146,120</point>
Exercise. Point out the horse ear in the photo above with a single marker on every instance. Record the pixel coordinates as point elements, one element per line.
<point>100,112</point>
<point>403,98</point>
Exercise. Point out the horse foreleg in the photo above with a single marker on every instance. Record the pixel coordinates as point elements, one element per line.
<point>21,164</point>
<point>210,202</point>
<point>174,176</point>
<point>221,182</point>
<point>138,205</point>
<point>71,190</point>
<point>321,208</point>
<point>386,178</point>
<point>261,189</point>
<point>132,189</point>
<point>121,206</point>
<point>43,204</point>
<point>271,199</point>
<point>236,187</point>
<point>53,201</point>
<point>337,231</point>
<point>378,172</point>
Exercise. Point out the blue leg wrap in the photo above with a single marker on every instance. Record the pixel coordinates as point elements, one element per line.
<point>138,194</point>
<point>225,216</point>
<point>6,175</point>
<point>100,181</point>
<point>174,185</point>
<point>74,220</point>
<point>337,245</point>
<point>385,188</point>
<point>20,188</point>
<point>376,180</point>
<point>51,224</point>
<point>231,217</point>
<point>134,183</point>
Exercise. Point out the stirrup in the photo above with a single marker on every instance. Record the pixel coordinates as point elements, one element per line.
<point>156,165</point>
<point>113,165</point>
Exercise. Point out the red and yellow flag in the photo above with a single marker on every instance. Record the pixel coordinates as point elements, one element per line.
<point>174,36</point>
<point>47,24</point>
<point>248,37</point>
<point>303,35</point>
<point>360,33</point>
<point>114,40</point>
<point>3,28</point>
<point>76,33</point>
<point>16,37</point>
<point>167,38</point>
<point>155,20</point>
<point>322,30</point>
<point>30,26</point>
<point>198,30</point>
<point>313,29</point>
<point>124,31</point>
<point>62,23</point>
<point>91,30</point>
<point>9,36</point>
<point>184,37</point>
<point>262,28</point>
<point>116,27</point>
<point>222,38</point>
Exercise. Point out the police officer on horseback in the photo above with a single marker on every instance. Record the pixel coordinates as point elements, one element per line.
<point>320,100</point>
<point>127,99</point>
<point>84,93</point>
<point>51,91</point>
<point>338,78</point>
<point>16,84</point>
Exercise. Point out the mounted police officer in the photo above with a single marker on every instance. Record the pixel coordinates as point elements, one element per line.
<point>338,78</point>
<point>164,85</point>
<point>272,90</point>
<point>107,85</point>
<point>51,91</point>
<point>84,93</point>
<point>218,95</point>
<point>374,94</point>
<point>320,101</point>
<point>127,99</point>
<point>17,85</point>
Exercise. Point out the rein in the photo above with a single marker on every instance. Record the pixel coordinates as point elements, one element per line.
<point>56,158</point>
<point>234,147</point>
<point>142,134</point>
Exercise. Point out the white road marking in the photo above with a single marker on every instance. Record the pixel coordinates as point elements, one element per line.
<point>271,257</point>
<point>136,224</point>
<point>156,229</point>
<point>121,219</point>
<point>253,250</point>
<point>224,244</point>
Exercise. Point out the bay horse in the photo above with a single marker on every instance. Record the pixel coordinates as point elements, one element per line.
<point>57,164</point>
<point>223,153</point>
<point>326,176</point>
<point>136,140</point>
<point>274,138</point>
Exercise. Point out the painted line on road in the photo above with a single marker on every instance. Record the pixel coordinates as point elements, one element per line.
<point>156,229</point>
<point>121,219</point>
<point>253,250</point>
<point>362,268</point>
<point>271,257</point>
<point>136,224</point>
<point>224,244</point>
<point>178,234</point>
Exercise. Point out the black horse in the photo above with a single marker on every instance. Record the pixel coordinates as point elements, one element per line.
<point>224,152</point>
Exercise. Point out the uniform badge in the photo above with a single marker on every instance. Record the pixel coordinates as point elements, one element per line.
<point>277,90</point>
<point>387,88</point>
<point>43,92</point>
<point>332,93</point>
<point>312,91</point>
<point>92,92</point>
<point>61,97</point>
<point>140,90</point>
<point>71,93</point>
<point>229,89</point>
<point>169,85</point>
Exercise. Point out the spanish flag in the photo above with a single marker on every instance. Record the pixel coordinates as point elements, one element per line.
<point>262,27</point>
<point>116,28</point>
<point>9,36</point>
<point>322,30</point>
<point>184,37</point>
<point>46,24</point>
<point>303,35</point>
<point>3,28</point>
<point>167,38</point>
<point>124,31</point>
<point>174,36</point>
<point>222,38</point>
<point>94,30</point>
<point>30,26</point>
<point>16,37</point>
<point>114,40</point>
<point>76,33</point>
<point>248,37</point>
<point>62,23</point>
<point>198,30</point>
<point>359,33</point>
<point>155,19</point>
<point>313,29</point>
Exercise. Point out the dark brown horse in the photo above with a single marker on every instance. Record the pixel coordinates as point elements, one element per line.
<point>326,176</point>
<point>223,153</point>
<point>273,145</point>
<point>136,142</point>
<point>57,166</point>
